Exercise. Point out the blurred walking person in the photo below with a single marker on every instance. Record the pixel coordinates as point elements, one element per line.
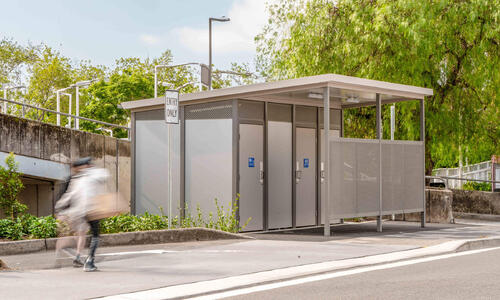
<point>76,207</point>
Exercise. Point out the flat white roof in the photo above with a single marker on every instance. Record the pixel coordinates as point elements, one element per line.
<point>347,91</point>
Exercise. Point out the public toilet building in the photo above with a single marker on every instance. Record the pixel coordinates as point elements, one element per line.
<point>266,143</point>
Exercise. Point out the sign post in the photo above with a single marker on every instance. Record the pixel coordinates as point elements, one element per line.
<point>171,117</point>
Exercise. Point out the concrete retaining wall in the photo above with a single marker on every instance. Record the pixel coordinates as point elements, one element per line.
<point>47,142</point>
<point>438,207</point>
<point>476,202</point>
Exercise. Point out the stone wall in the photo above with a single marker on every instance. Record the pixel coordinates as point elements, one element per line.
<point>476,202</point>
<point>54,143</point>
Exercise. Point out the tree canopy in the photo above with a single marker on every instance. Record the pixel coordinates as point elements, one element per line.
<point>44,71</point>
<point>450,46</point>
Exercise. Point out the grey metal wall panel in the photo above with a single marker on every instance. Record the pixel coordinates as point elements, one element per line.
<point>332,134</point>
<point>306,184</point>
<point>151,163</point>
<point>344,173</point>
<point>367,155</point>
<point>208,164</point>
<point>251,204</point>
<point>393,174</point>
<point>280,174</point>
<point>413,179</point>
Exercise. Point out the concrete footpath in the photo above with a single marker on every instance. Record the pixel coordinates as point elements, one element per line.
<point>187,269</point>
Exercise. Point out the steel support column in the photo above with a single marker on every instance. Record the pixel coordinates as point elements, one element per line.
<point>422,138</point>
<point>326,148</point>
<point>379,137</point>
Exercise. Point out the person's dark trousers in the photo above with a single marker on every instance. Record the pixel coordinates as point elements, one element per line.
<point>94,241</point>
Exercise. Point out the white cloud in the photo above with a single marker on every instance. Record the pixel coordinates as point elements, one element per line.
<point>235,37</point>
<point>149,39</point>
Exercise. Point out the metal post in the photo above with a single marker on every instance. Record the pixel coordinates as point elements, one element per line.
<point>69,109</point>
<point>422,138</point>
<point>24,107</point>
<point>77,107</point>
<point>210,54</point>
<point>379,137</point>
<point>170,194</point>
<point>201,79</point>
<point>326,126</point>
<point>58,108</point>
<point>393,126</point>
<point>393,121</point>
<point>5,102</point>
<point>156,81</point>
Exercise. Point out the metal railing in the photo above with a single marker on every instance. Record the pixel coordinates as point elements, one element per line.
<point>24,105</point>
<point>480,171</point>
<point>446,179</point>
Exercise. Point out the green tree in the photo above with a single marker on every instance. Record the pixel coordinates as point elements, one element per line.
<point>10,187</point>
<point>449,46</point>
<point>49,72</point>
<point>131,79</point>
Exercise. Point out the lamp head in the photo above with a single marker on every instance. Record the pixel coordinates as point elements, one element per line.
<point>221,19</point>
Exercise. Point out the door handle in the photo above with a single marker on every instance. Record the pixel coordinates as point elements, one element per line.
<point>261,173</point>
<point>298,172</point>
<point>322,174</point>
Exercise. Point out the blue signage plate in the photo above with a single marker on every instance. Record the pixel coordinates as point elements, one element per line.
<point>306,163</point>
<point>251,162</point>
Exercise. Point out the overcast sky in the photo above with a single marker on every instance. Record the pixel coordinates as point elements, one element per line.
<point>103,30</point>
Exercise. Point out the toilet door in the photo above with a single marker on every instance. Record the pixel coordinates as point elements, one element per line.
<point>279,158</point>
<point>305,177</point>
<point>251,166</point>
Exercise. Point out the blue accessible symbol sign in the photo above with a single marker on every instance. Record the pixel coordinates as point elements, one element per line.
<point>251,162</point>
<point>306,163</point>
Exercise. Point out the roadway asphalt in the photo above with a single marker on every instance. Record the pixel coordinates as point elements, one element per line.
<point>474,276</point>
<point>143,267</point>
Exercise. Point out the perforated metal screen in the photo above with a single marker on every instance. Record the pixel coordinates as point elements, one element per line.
<point>207,111</point>
<point>306,116</point>
<point>279,112</point>
<point>251,111</point>
<point>354,177</point>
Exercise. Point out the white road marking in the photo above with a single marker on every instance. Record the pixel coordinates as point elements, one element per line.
<point>287,283</point>
<point>235,282</point>
<point>168,251</point>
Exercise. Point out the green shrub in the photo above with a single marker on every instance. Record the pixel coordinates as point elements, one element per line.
<point>26,221</point>
<point>477,186</point>
<point>10,187</point>
<point>10,229</point>
<point>46,227</point>
<point>43,228</point>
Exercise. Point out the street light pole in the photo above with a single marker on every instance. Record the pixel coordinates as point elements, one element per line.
<point>223,19</point>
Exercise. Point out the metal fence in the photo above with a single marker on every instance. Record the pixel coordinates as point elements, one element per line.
<point>458,176</point>
<point>26,106</point>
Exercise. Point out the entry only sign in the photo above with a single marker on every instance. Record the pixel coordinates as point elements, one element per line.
<point>172,107</point>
